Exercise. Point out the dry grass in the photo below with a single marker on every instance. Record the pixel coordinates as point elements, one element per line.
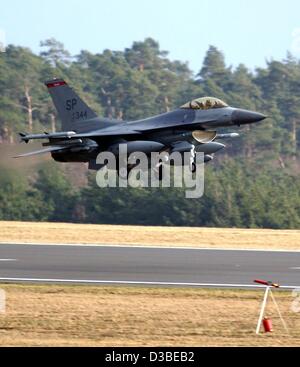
<point>116,316</point>
<point>150,236</point>
<point>119,316</point>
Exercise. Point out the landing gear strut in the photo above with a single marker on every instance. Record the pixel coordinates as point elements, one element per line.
<point>158,170</point>
<point>193,166</point>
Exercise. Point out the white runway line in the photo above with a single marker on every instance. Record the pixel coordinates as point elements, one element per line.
<point>133,282</point>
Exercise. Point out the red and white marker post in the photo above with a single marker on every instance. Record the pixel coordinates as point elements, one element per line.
<point>267,323</point>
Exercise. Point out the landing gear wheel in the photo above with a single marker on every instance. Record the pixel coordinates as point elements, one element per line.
<point>193,167</point>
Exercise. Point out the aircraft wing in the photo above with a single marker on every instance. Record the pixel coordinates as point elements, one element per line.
<point>174,125</point>
<point>138,129</point>
<point>42,151</point>
<point>111,131</point>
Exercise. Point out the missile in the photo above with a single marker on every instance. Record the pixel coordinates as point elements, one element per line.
<point>59,135</point>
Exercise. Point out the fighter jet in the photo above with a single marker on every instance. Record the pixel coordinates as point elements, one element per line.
<point>190,128</point>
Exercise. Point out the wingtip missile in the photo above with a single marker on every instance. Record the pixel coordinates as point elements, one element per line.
<point>58,135</point>
<point>23,137</point>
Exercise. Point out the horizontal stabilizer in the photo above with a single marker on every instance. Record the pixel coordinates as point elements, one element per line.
<point>41,151</point>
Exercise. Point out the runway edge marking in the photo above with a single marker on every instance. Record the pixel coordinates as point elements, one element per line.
<point>133,282</point>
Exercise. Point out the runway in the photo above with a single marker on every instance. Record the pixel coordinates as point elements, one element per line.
<point>146,266</point>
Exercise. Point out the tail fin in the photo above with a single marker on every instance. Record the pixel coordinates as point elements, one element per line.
<point>72,111</point>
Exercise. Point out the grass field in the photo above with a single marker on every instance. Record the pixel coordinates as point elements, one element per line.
<point>150,236</point>
<point>49,315</point>
<point>119,316</point>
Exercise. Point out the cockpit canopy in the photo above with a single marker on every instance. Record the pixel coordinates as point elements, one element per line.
<point>204,103</point>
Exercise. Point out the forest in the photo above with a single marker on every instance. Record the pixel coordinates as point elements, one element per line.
<point>253,183</point>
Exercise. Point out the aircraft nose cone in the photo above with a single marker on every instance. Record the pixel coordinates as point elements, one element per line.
<point>241,117</point>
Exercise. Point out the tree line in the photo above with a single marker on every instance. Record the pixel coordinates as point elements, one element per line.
<point>253,183</point>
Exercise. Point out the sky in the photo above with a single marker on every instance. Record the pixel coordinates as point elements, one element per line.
<point>247,31</point>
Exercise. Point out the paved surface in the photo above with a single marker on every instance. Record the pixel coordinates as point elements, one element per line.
<point>148,266</point>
